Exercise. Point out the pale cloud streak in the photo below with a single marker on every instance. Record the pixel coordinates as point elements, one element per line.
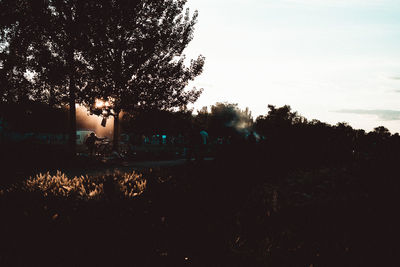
<point>382,114</point>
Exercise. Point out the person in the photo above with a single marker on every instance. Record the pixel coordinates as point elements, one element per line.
<point>91,143</point>
<point>204,137</point>
<point>203,144</point>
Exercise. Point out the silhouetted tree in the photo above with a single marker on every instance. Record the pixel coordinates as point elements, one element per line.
<point>19,20</point>
<point>157,122</point>
<point>227,119</point>
<point>29,117</point>
<point>202,118</point>
<point>136,50</point>
<point>382,131</point>
<point>44,40</point>
<point>277,121</point>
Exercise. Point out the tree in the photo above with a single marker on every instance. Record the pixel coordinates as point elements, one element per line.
<point>382,131</point>
<point>64,42</point>
<point>225,119</point>
<point>158,122</point>
<point>202,118</point>
<point>136,50</point>
<point>19,19</point>
<point>278,120</point>
<point>44,40</point>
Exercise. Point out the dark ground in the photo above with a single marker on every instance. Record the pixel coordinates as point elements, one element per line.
<point>234,211</point>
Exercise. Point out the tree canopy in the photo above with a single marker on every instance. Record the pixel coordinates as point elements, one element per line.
<point>224,119</point>
<point>136,53</point>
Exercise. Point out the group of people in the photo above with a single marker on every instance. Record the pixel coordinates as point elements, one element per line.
<point>195,143</point>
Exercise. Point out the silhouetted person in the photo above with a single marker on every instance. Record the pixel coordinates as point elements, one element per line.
<point>91,143</point>
<point>203,144</point>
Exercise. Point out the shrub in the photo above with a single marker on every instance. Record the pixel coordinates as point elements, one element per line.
<point>126,185</point>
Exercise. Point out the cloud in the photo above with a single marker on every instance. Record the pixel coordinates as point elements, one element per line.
<point>383,114</point>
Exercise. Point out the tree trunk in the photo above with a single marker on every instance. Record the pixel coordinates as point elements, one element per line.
<point>71,100</point>
<point>116,132</point>
<point>72,118</point>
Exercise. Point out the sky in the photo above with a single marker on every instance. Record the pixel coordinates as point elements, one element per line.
<point>331,60</point>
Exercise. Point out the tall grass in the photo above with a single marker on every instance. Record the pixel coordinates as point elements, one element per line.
<point>126,185</point>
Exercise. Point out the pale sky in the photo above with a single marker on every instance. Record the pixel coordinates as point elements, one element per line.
<point>331,60</point>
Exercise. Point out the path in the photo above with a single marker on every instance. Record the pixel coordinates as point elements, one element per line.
<point>128,166</point>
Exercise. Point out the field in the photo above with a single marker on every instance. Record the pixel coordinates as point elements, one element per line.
<point>227,212</point>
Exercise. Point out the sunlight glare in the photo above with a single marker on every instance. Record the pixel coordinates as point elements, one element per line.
<point>100,103</point>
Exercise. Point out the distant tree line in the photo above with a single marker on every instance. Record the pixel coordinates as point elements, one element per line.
<point>293,138</point>
<point>286,133</point>
<point>283,135</point>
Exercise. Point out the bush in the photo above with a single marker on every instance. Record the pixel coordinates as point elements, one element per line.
<point>126,185</point>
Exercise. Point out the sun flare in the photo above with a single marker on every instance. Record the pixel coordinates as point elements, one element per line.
<point>100,103</point>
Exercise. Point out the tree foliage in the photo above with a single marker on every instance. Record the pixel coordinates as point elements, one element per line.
<point>136,51</point>
<point>225,119</point>
<point>158,122</point>
<point>19,19</point>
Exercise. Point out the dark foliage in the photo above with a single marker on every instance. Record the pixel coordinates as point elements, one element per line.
<point>224,119</point>
<point>157,122</point>
<point>29,117</point>
<point>302,143</point>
